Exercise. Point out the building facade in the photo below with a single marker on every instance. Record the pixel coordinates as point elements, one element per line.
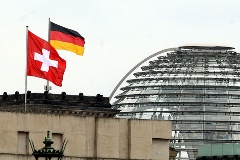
<point>92,132</point>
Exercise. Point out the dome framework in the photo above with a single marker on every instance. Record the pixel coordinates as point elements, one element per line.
<point>196,87</point>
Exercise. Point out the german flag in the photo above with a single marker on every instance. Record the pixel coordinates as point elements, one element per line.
<point>62,38</point>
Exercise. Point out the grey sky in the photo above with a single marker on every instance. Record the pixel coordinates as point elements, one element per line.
<point>118,35</point>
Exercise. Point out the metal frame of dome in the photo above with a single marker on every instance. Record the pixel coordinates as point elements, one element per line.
<point>196,87</point>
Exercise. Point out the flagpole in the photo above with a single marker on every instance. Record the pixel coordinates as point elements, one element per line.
<point>49,26</point>
<point>25,101</point>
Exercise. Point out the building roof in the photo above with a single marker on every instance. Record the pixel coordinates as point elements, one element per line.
<point>97,106</point>
<point>207,47</point>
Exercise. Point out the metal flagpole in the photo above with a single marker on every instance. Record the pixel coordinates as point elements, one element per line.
<point>47,88</point>
<point>25,101</point>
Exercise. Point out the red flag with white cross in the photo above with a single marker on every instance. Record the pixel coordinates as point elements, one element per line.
<point>43,61</point>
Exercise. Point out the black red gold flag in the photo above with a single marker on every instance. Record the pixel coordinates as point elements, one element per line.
<point>62,38</point>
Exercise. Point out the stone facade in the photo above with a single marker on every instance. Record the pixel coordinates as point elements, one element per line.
<point>88,137</point>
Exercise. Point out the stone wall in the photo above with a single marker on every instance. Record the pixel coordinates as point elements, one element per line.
<point>88,137</point>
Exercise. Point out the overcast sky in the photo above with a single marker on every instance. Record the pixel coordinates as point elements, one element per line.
<point>118,35</point>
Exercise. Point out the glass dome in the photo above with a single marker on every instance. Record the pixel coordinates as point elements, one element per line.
<point>196,87</point>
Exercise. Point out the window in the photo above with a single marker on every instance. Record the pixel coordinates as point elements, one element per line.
<point>23,142</point>
<point>159,148</point>
<point>57,138</point>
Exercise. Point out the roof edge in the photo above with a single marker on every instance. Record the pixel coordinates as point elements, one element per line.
<point>207,47</point>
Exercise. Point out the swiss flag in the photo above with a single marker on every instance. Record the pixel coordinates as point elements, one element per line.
<point>43,61</point>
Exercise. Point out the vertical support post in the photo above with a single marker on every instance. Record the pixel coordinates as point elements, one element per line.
<point>25,101</point>
<point>47,88</point>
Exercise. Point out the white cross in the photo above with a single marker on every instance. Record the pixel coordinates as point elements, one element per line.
<point>46,61</point>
